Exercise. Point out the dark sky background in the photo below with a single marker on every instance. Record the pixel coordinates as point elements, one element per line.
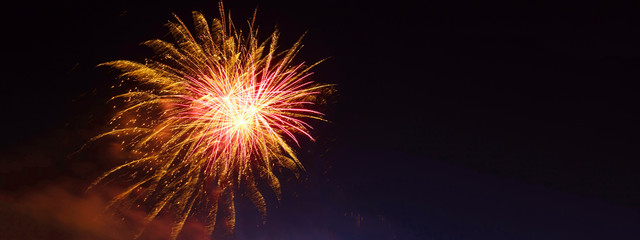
<point>453,120</point>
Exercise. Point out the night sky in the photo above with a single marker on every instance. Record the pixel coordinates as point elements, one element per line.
<point>452,120</point>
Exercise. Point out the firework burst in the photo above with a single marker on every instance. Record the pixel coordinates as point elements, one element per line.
<point>210,115</point>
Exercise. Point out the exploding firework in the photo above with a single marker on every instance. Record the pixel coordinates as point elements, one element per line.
<point>210,116</point>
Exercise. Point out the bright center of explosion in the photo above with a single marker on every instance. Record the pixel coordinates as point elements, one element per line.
<point>239,114</point>
<point>246,115</point>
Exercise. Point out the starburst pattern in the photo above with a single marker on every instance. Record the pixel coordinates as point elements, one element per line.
<point>209,116</point>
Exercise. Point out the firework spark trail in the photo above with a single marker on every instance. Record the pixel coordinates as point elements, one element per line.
<point>211,115</point>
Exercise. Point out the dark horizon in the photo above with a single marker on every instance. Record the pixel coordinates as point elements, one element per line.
<point>451,121</point>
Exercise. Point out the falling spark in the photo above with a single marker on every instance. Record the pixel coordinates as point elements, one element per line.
<point>212,114</point>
